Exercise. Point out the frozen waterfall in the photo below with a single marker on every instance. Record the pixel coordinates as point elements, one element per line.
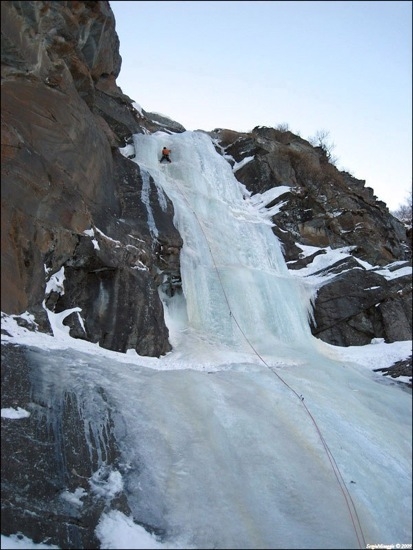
<point>236,285</point>
<point>216,450</point>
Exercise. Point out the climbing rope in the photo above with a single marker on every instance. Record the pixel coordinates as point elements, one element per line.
<point>347,497</point>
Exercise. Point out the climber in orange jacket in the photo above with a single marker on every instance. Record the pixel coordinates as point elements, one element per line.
<point>165,154</point>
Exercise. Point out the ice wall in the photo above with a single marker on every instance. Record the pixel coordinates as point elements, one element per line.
<point>236,284</point>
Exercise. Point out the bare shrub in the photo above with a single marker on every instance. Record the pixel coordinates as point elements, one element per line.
<point>404,211</point>
<point>322,139</point>
<point>283,127</point>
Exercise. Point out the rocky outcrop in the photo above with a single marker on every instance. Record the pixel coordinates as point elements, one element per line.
<point>54,485</point>
<point>63,121</point>
<point>321,207</point>
<point>400,368</point>
<point>358,305</point>
<point>75,208</point>
<point>324,207</point>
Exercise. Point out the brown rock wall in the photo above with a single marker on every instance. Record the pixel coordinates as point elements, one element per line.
<point>63,119</point>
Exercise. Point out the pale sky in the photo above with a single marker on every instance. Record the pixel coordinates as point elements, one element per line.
<point>340,67</point>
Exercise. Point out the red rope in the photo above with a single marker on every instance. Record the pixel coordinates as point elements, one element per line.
<point>347,497</point>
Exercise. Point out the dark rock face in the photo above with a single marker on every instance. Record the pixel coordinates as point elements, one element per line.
<point>47,458</point>
<point>114,280</point>
<point>64,119</point>
<point>400,368</point>
<point>325,208</point>
<point>360,305</point>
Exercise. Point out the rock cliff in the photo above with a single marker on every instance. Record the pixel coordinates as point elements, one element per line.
<point>64,119</point>
<point>71,200</point>
<point>324,208</point>
<point>76,237</point>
